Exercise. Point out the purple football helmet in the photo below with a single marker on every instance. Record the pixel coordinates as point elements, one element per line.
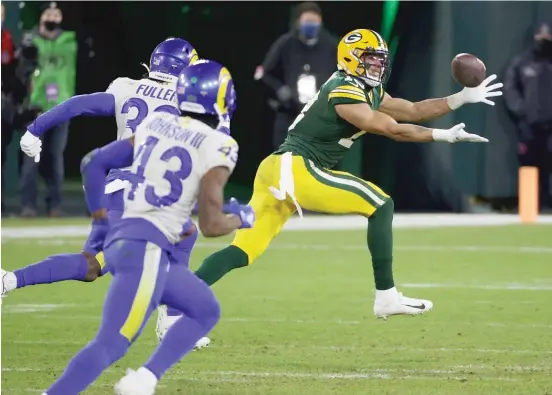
<point>206,87</point>
<point>169,58</point>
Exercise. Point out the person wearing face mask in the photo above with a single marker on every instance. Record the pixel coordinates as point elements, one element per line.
<point>296,65</point>
<point>48,55</point>
<point>528,94</point>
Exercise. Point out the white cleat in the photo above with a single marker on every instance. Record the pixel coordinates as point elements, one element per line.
<point>164,322</point>
<point>136,382</point>
<point>392,302</point>
<point>202,343</point>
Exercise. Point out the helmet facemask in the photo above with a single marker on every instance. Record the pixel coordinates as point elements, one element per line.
<point>373,65</point>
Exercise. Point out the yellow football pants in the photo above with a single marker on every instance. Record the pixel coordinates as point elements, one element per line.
<point>315,189</point>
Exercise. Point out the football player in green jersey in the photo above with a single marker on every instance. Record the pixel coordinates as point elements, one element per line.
<point>299,174</point>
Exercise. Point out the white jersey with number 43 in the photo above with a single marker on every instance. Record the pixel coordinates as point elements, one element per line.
<point>136,99</point>
<point>171,155</point>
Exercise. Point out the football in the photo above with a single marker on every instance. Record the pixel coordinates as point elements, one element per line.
<point>468,70</point>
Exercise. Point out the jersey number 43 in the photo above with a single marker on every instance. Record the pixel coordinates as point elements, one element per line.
<point>144,159</point>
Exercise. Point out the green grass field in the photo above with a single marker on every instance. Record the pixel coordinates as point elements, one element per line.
<point>299,321</point>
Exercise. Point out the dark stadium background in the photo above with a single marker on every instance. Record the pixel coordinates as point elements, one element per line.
<point>238,34</point>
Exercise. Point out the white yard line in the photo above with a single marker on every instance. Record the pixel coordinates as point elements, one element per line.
<point>320,348</point>
<point>23,308</point>
<point>324,247</point>
<point>44,309</point>
<point>367,374</point>
<point>491,287</point>
<point>316,222</point>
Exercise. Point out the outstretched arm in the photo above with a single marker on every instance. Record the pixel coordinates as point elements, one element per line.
<point>96,164</point>
<point>405,111</point>
<point>98,104</point>
<point>364,118</point>
<point>102,104</point>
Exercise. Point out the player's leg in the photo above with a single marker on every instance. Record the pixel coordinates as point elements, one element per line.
<point>199,311</point>
<point>86,266</point>
<point>81,267</point>
<point>139,273</point>
<point>335,192</point>
<point>167,315</point>
<point>270,216</point>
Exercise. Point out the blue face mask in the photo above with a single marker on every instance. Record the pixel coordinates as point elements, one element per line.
<point>309,30</point>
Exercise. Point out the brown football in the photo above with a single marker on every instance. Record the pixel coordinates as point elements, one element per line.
<point>468,70</point>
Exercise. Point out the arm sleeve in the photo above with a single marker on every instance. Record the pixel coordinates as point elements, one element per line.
<point>95,166</point>
<point>98,104</point>
<point>272,64</point>
<point>346,93</point>
<point>513,90</point>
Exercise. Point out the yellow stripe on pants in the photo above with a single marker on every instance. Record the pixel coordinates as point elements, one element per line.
<point>144,293</point>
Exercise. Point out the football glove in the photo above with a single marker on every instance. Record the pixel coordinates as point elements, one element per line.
<point>456,134</point>
<point>31,145</point>
<point>479,94</point>
<point>245,212</point>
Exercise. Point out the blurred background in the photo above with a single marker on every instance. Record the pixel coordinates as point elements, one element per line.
<point>113,38</point>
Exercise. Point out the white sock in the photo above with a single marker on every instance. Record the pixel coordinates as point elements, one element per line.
<point>10,282</point>
<point>148,376</point>
<point>387,294</point>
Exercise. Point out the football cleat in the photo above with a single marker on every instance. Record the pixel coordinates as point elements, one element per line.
<point>164,322</point>
<point>136,382</point>
<point>392,302</point>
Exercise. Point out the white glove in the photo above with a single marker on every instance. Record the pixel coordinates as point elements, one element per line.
<point>31,145</point>
<point>478,94</point>
<point>455,134</point>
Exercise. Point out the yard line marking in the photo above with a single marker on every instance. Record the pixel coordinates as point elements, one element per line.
<point>92,317</point>
<point>325,247</point>
<point>333,348</point>
<point>22,308</point>
<point>366,375</point>
<point>312,223</point>
<point>492,287</point>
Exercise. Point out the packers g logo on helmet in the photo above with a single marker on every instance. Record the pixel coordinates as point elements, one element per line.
<point>352,38</point>
<point>355,47</point>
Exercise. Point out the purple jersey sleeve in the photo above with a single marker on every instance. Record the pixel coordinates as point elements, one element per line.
<point>98,104</point>
<point>95,166</point>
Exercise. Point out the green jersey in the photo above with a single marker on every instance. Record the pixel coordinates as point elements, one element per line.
<point>318,133</point>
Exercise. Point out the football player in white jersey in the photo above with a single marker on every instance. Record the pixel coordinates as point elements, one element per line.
<point>176,160</point>
<point>130,101</point>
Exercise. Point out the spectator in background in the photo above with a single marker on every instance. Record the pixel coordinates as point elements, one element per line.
<point>528,94</point>
<point>8,88</point>
<point>14,115</point>
<point>296,65</point>
<point>50,53</point>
